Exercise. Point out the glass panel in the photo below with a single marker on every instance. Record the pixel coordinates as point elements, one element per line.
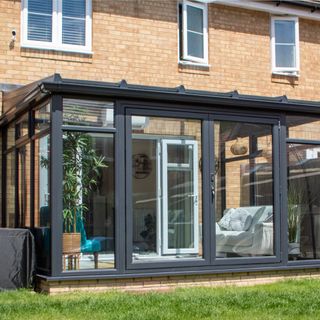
<point>285,56</point>
<point>306,128</point>
<point>166,189</point>
<point>180,209</point>
<point>11,135</point>
<point>42,118</point>
<point>22,126</point>
<point>285,31</point>
<point>1,196</point>
<point>194,19</point>
<point>88,201</point>
<point>88,113</point>
<point>42,214</point>
<point>179,154</point>
<point>73,22</point>
<point>195,45</point>
<point>303,201</point>
<point>24,186</point>
<point>40,20</point>
<point>243,189</point>
<point>10,190</point>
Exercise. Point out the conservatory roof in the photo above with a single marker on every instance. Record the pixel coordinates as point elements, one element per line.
<point>17,100</point>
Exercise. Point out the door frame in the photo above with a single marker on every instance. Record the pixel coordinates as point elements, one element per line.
<point>207,117</point>
<point>165,213</point>
<point>277,189</point>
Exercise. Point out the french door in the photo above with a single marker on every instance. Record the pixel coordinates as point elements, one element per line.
<point>180,200</point>
<point>202,189</point>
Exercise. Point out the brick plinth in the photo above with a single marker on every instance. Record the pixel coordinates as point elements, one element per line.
<point>167,283</point>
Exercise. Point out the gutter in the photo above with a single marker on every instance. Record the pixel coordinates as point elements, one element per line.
<point>302,9</point>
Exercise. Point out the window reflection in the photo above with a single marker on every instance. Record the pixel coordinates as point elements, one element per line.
<point>243,185</point>
<point>303,201</point>
<point>166,189</point>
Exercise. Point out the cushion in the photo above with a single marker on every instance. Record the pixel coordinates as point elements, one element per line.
<point>239,238</point>
<point>224,222</point>
<point>240,220</point>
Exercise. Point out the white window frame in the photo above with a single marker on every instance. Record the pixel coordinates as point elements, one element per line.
<point>165,166</point>
<point>185,56</point>
<point>285,70</point>
<point>56,43</point>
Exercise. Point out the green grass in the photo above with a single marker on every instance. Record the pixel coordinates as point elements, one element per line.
<point>285,300</point>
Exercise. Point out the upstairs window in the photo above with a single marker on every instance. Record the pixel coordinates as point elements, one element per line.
<point>285,44</point>
<point>57,24</point>
<point>193,31</point>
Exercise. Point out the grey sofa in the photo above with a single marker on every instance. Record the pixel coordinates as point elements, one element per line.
<point>245,231</point>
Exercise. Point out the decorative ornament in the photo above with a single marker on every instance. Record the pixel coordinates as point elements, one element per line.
<point>141,166</point>
<point>238,148</point>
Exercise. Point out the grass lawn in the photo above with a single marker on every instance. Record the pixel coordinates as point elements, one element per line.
<point>285,300</point>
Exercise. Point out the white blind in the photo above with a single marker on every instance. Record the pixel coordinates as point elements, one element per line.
<point>74,22</point>
<point>40,20</point>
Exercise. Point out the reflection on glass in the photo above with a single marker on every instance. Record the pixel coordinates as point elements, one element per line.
<point>89,113</point>
<point>22,126</point>
<point>42,216</point>
<point>243,185</point>
<point>10,190</point>
<point>24,186</point>
<point>303,201</point>
<point>285,43</point>
<point>166,189</point>
<point>42,118</point>
<point>306,128</point>
<point>88,201</point>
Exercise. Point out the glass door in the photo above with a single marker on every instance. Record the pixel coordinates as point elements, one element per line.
<point>180,196</point>
<point>243,184</point>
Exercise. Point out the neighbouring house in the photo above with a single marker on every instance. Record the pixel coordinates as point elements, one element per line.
<point>148,144</point>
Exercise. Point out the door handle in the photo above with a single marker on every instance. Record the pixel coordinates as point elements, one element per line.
<point>212,183</point>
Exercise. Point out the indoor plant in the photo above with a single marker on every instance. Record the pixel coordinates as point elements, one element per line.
<point>295,201</point>
<point>81,170</point>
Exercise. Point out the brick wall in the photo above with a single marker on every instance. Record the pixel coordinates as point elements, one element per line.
<point>137,40</point>
<point>171,282</point>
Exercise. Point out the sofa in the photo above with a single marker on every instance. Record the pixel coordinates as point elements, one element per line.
<point>245,231</point>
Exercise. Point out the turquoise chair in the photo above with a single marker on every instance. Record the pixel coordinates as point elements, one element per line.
<point>87,245</point>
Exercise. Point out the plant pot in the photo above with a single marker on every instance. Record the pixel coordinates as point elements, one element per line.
<point>71,242</point>
<point>294,248</point>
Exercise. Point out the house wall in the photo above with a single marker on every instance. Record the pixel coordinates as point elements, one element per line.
<point>138,41</point>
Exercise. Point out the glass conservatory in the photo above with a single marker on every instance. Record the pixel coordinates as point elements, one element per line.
<point>118,180</point>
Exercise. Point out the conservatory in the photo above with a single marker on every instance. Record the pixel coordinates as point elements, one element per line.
<point>118,180</point>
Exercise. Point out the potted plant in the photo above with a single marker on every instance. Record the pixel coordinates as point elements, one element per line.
<point>295,201</point>
<point>81,171</point>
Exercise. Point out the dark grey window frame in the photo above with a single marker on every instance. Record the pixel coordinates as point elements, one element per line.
<point>144,111</point>
<point>153,98</point>
<point>288,140</point>
<point>208,119</point>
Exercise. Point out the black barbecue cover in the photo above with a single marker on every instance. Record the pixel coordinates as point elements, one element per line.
<point>17,258</point>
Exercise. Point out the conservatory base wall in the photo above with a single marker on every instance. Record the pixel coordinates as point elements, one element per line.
<point>167,283</point>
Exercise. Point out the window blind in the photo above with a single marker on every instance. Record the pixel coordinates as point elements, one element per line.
<point>74,22</point>
<point>40,20</point>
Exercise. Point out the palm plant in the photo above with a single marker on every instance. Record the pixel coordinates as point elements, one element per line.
<point>295,200</point>
<point>81,171</point>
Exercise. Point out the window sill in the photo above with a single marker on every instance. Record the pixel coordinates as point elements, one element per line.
<point>194,64</point>
<point>67,50</point>
<point>294,74</point>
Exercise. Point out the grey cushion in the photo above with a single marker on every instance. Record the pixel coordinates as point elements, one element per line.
<point>239,238</point>
<point>240,220</point>
<point>224,222</point>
